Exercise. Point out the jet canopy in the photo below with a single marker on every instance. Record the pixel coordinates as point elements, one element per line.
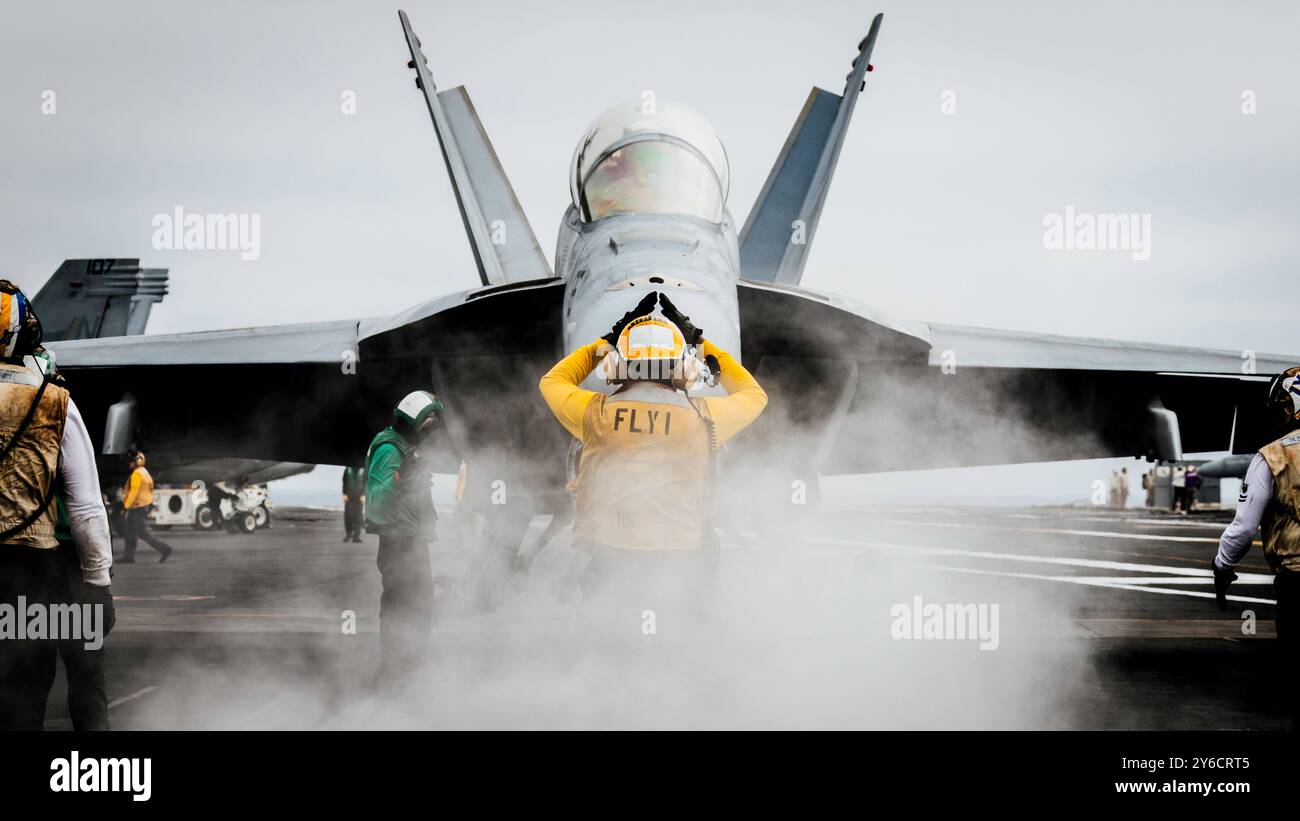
<point>650,158</point>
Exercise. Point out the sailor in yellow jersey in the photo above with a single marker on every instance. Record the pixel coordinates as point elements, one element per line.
<point>644,485</point>
<point>137,499</point>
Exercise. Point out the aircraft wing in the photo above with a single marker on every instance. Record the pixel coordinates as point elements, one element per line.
<point>98,298</point>
<point>989,348</point>
<point>167,471</point>
<point>862,393</point>
<point>306,344</point>
<point>317,393</point>
<point>852,390</point>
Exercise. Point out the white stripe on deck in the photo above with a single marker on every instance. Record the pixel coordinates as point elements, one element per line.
<point>1097,564</point>
<point>1096,581</point>
<point>1191,575</point>
<point>1245,578</point>
<point>1170,522</point>
<point>124,699</point>
<point>1063,531</point>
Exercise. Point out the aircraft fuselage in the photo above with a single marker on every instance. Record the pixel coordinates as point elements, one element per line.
<point>612,263</point>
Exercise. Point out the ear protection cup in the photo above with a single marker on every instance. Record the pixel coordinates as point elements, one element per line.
<point>688,373</point>
<point>1270,402</point>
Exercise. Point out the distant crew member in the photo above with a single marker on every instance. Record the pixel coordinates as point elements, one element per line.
<point>1270,499</point>
<point>354,501</point>
<point>137,500</point>
<point>1122,501</point>
<point>218,494</point>
<point>1178,482</point>
<point>1191,485</point>
<point>46,453</point>
<point>644,485</point>
<point>400,510</point>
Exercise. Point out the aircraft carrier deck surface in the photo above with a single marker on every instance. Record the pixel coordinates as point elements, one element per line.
<point>1104,620</point>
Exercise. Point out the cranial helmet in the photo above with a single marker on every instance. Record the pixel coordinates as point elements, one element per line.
<point>1284,398</point>
<point>20,330</point>
<point>652,349</point>
<point>416,409</point>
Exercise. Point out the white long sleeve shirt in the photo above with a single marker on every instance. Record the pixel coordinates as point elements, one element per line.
<point>1256,493</point>
<point>83,500</point>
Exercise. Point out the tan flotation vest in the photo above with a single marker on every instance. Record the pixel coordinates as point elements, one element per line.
<point>1281,524</point>
<point>644,478</point>
<point>30,468</point>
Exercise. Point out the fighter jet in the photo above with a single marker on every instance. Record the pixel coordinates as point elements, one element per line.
<point>647,211</point>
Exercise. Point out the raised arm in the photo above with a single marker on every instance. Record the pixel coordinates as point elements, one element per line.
<point>745,398</point>
<point>560,389</point>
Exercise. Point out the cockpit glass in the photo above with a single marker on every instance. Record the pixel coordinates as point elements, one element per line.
<point>653,177</point>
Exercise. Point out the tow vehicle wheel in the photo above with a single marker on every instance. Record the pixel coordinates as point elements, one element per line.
<point>205,518</point>
<point>262,516</point>
<point>244,522</point>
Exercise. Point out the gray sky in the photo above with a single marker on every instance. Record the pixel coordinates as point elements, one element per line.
<point>1110,107</point>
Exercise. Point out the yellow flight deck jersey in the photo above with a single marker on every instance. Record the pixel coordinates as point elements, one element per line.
<point>643,479</point>
<point>139,490</point>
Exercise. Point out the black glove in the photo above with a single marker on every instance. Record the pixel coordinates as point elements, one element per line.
<point>693,334</point>
<point>715,370</point>
<point>1222,578</point>
<point>645,306</point>
<point>94,594</point>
